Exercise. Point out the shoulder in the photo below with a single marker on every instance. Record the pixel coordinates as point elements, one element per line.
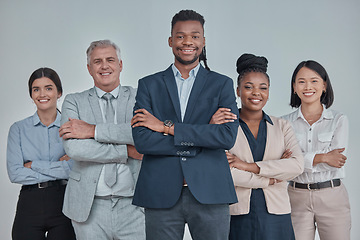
<point>130,90</point>
<point>215,76</point>
<point>24,123</point>
<point>291,116</point>
<point>279,121</point>
<point>336,115</point>
<point>79,95</point>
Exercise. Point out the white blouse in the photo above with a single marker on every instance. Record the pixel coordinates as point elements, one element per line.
<point>330,132</point>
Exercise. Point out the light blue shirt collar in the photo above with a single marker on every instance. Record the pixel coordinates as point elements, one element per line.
<point>36,120</point>
<point>192,74</point>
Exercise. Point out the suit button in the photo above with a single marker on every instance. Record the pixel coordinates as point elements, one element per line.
<point>183,159</point>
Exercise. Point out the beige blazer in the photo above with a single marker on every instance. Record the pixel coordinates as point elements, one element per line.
<point>280,136</point>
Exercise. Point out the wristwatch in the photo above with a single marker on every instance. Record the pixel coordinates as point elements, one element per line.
<point>167,125</point>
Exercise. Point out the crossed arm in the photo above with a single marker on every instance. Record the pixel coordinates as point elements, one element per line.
<point>113,142</point>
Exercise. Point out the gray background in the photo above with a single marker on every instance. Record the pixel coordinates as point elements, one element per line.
<point>56,34</point>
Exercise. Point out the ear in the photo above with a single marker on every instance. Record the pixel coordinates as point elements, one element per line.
<point>59,95</point>
<point>121,65</point>
<point>170,41</point>
<point>238,91</point>
<point>88,67</point>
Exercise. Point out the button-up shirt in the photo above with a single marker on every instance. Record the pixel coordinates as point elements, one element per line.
<point>31,140</point>
<point>184,86</point>
<point>330,132</point>
<point>124,185</point>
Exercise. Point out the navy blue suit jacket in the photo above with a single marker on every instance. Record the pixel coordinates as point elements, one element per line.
<point>196,151</point>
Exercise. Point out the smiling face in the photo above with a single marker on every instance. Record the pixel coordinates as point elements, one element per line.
<point>187,41</point>
<point>309,86</point>
<point>253,91</point>
<point>105,68</point>
<point>44,94</point>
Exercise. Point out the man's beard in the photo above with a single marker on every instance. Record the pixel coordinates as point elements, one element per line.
<point>183,62</point>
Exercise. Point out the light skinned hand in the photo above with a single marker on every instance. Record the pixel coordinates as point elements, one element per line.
<point>77,129</point>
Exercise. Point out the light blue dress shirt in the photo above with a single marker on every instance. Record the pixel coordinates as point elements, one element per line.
<point>30,140</point>
<point>184,86</point>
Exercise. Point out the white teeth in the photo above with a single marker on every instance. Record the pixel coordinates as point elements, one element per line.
<point>255,100</point>
<point>187,50</point>
<point>105,74</point>
<point>43,100</point>
<point>308,94</point>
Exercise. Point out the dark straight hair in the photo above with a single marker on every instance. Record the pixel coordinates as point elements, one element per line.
<point>191,15</point>
<point>327,97</point>
<point>48,73</point>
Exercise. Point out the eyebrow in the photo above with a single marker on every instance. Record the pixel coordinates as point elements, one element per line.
<point>253,83</point>
<point>191,32</point>
<point>50,85</point>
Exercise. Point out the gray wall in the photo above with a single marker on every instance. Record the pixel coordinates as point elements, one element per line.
<point>56,34</point>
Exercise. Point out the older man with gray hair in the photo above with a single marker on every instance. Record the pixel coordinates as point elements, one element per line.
<point>97,135</point>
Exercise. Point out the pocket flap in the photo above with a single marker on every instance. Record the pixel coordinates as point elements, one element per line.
<point>75,175</point>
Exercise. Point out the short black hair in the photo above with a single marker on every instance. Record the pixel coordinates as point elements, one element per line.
<point>327,97</point>
<point>187,15</point>
<point>48,73</point>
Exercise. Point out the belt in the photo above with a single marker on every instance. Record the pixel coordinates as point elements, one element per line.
<point>319,185</point>
<point>108,197</point>
<point>46,184</point>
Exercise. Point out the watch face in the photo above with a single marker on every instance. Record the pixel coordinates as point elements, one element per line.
<point>168,123</point>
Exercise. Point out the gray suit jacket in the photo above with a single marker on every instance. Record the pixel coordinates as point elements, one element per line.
<point>90,155</point>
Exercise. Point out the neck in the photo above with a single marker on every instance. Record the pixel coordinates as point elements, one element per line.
<point>185,69</point>
<point>251,116</point>
<point>311,112</point>
<point>48,116</point>
<point>311,109</point>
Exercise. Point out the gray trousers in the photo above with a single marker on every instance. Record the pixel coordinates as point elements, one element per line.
<point>112,219</point>
<point>205,221</point>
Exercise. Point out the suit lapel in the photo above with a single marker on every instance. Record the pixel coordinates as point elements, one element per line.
<point>122,104</point>
<point>199,83</point>
<point>171,86</point>
<point>95,106</point>
<point>269,129</point>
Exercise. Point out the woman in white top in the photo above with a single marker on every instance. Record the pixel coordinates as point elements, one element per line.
<point>318,197</point>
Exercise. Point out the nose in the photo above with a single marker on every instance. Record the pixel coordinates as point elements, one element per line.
<point>104,65</point>
<point>255,91</point>
<point>42,92</point>
<point>307,85</point>
<point>187,40</point>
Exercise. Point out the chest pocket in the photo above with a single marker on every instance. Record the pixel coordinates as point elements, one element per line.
<point>325,139</point>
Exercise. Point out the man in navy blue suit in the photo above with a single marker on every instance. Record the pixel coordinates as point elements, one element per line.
<point>185,175</point>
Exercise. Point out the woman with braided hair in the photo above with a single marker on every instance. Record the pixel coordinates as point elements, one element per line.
<point>265,155</point>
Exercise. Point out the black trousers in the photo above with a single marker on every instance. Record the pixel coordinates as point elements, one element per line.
<point>39,215</point>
